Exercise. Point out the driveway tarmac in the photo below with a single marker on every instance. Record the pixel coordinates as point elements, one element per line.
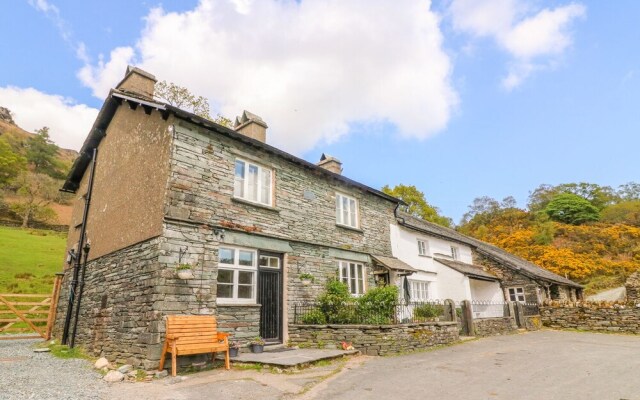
<point>536,365</point>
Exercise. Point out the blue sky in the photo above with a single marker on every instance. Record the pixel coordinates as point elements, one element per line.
<point>460,98</point>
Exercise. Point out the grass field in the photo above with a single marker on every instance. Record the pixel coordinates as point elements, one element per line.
<point>29,259</point>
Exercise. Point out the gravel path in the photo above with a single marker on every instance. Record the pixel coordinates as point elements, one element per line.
<point>28,375</point>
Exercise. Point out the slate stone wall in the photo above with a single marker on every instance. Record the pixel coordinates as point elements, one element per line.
<point>376,340</point>
<point>201,190</point>
<point>494,326</point>
<point>592,317</point>
<point>632,286</point>
<point>509,278</point>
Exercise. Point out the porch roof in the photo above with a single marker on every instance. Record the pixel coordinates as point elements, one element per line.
<point>394,264</point>
<point>470,270</point>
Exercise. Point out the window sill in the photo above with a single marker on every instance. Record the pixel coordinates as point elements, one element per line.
<point>425,256</point>
<point>350,228</point>
<point>238,304</point>
<point>251,203</point>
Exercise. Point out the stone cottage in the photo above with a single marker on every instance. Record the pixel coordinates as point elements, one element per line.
<point>172,190</point>
<point>453,265</point>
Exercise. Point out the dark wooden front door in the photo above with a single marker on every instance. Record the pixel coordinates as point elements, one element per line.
<point>270,296</point>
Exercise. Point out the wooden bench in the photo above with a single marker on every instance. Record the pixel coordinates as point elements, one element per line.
<point>193,334</point>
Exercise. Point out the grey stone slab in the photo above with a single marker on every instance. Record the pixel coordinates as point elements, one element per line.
<point>291,358</point>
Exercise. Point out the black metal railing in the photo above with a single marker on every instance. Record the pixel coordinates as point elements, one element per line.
<point>364,313</point>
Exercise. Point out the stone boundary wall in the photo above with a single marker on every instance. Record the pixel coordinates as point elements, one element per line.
<point>377,340</point>
<point>494,326</point>
<point>592,317</point>
<point>533,322</point>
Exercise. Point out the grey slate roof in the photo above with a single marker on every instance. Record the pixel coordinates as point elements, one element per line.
<point>471,270</point>
<point>505,258</point>
<point>394,263</point>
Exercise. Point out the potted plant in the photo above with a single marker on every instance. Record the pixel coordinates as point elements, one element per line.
<point>185,271</point>
<point>257,345</point>
<point>306,279</point>
<point>234,348</point>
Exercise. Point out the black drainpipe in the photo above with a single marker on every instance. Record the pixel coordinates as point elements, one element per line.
<point>78,260</point>
<point>87,247</point>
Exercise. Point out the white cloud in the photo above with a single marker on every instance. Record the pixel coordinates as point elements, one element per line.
<point>308,68</point>
<point>532,39</point>
<point>69,122</point>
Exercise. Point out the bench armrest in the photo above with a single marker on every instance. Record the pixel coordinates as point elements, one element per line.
<point>172,336</point>
<point>222,335</point>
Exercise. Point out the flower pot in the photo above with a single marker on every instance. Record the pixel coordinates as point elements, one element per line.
<point>185,274</point>
<point>233,352</point>
<point>257,348</point>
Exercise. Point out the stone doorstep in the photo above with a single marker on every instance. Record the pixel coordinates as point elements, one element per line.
<point>290,358</point>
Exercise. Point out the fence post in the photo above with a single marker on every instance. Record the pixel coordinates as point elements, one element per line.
<point>53,307</point>
<point>467,318</point>
<point>512,314</point>
<point>450,310</point>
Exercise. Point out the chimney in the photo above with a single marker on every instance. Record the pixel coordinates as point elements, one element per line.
<point>251,125</point>
<point>330,163</point>
<point>138,82</point>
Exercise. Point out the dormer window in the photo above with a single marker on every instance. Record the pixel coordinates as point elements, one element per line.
<point>423,247</point>
<point>455,253</point>
<point>253,183</point>
<point>346,211</point>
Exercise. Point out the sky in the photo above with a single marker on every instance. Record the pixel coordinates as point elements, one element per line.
<point>461,98</point>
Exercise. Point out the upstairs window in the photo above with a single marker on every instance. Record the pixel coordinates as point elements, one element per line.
<point>455,253</point>
<point>352,274</point>
<point>423,247</point>
<point>346,210</point>
<point>252,183</point>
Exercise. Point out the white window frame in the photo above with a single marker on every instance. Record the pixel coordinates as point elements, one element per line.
<point>245,183</point>
<point>423,247</point>
<point>516,294</point>
<point>455,252</point>
<point>236,268</point>
<point>419,290</point>
<point>352,283</point>
<point>353,215</point>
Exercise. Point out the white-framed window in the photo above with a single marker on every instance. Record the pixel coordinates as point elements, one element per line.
<point>237,275</point>
<point>419,290</point>
<point>252,182</point>
<point>269,262</point>
<point>352,274</point>
<point>516,294</point>
<point>455,252</point>
<point>423,247</point>
<point>346,210</point>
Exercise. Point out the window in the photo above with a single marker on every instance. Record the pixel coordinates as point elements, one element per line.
<point>346,210</point>
<point>423,247</point>
<point>252,183</point>
<point>236,275</point>
<point>352,274</point>
<point>516,294</point>
<point>454,253</point>
<point>419,290</point>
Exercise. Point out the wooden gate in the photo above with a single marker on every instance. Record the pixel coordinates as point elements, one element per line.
<point>29,313</point>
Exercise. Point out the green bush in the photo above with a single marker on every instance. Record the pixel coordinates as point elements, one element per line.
<point>334,302</point>
<point>378,305</point>
<point>314,317</point>
<point>426,311</point>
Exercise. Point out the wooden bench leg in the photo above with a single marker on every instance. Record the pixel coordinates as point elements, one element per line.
<point>226,360</point>
<point>173,360</point>
<point>163,357</point>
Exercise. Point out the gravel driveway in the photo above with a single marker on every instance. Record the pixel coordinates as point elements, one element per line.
<point>28,375</point>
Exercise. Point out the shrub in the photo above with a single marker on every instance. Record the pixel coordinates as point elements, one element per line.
<point>314,317</point>
<point>333,303</point>
<point>378,305</point>
<point>425,311</point>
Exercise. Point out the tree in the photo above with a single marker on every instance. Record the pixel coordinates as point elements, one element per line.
<point>599,196</point>
<point>36,192</point>
<point>486,213</point>
<point>41,153</point>
<point>629,191</point>
<point>11,163</point>
<point>625,212</point>
<point>181,97</point>
<point>571,209</point>
<point>417,204</point>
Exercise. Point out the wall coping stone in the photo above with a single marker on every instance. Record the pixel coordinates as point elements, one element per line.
<point>354,326</point>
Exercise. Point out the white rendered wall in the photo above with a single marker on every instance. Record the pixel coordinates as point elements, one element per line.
<point>485,290</point>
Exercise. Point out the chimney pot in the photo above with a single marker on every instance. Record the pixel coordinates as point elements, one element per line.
<point>139,82</point>
<point>330,163</point>
<point>251,125</point>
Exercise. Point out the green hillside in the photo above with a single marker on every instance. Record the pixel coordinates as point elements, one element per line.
<point>29,259</point>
